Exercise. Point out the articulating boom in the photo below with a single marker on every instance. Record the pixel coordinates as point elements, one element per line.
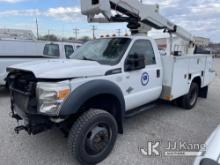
<point>140,17</point>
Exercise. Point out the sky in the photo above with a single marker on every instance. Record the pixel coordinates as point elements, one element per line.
<point>60,17</point>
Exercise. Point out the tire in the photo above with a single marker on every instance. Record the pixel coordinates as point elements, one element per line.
<point>189,101</point>
<point>178,102</point>
<point>7,86</point>
<point>92,137</point>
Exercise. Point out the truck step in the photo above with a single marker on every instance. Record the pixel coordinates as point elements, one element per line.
<point>139,110</point>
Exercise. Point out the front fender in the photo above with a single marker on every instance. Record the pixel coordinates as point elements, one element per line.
<point>88,90</point>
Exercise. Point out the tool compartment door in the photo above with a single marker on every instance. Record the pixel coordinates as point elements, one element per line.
<point>210,73</point>
<point>175,81</point>
<point>180,71</point>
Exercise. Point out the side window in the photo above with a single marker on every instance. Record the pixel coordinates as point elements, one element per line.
<point>144,47</point>
<point>52,50</point>
<point>68,50</point>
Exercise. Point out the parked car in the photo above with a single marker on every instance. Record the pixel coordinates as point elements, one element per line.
<point>211,156</point>
<point>20,51</point>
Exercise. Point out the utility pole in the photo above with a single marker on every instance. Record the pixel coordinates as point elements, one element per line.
<point>37,29</point>
<point>141,1</point>
<point>93,31</point>
<point>76,31</point>
<point>48,35</point>
<point>119,32</point>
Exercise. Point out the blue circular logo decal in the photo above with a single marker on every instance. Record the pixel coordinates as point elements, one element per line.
<point>145,78</point>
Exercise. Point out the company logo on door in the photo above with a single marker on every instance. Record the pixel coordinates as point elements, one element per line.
<point>145,78</point>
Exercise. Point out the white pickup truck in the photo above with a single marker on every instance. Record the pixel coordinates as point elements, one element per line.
<point>19,51</point>
<point>105,80</point>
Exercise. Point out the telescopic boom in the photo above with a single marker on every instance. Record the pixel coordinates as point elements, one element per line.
<point>140,17</point>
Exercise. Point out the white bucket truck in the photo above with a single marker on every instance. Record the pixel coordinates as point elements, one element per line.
<point>108,79</point>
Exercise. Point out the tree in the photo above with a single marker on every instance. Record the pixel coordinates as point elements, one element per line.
<point>50,37</point>
<point>85,38</point>
<point>71,39</point>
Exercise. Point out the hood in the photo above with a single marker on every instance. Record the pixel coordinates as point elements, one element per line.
<point>62,69</point>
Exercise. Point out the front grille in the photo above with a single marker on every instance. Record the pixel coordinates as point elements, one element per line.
<point>26,83</point>
<point>22,87</point>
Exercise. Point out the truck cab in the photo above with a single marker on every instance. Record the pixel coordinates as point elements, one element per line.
<point>133,63</point>
<point>107,79</point>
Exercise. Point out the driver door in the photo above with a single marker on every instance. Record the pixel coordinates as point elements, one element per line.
<point>144,85</point>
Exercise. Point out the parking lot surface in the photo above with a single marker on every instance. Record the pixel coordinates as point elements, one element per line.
<point>165,123</point>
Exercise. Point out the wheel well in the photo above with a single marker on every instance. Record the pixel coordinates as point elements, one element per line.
<point>109,103</point>
<point>106,102</point>
<point>198,81</point>
<point>203,92</point>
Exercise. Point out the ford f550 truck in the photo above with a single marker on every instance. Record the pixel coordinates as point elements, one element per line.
<point>106,80</point>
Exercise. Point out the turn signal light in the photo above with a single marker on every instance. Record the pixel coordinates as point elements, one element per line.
<point>63,94</point>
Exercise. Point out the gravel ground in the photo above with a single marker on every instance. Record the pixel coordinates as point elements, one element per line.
<point>165,123</point>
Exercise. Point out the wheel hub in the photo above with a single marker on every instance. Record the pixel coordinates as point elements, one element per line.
<point>97,139</point>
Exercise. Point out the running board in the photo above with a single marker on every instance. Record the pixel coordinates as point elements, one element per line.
<point>141,109</point>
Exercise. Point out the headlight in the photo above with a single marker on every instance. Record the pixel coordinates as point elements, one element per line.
<point>51,96</point>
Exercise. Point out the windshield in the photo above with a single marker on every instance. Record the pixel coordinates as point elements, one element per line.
<point>108,51</point>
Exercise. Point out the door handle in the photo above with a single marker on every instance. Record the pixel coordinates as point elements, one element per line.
<point>158,73</point>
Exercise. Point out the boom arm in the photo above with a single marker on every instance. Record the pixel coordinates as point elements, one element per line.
<point>138,15</point>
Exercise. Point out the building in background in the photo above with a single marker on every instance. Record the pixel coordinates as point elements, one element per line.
<point>17,34</point>
<point>179,44</point>
<point>215,48</point>
<point>202,41</point>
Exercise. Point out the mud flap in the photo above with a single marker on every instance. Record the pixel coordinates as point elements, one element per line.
<point>203,92</point>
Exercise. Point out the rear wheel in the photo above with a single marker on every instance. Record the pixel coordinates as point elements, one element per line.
<point>189,101</point>
<point>92,137</point>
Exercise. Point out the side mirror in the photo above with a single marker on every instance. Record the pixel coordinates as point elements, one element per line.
<point>135,62</point>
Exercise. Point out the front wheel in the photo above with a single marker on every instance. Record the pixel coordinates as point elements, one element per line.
<point>189,101</point>
<point>92,137</point>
